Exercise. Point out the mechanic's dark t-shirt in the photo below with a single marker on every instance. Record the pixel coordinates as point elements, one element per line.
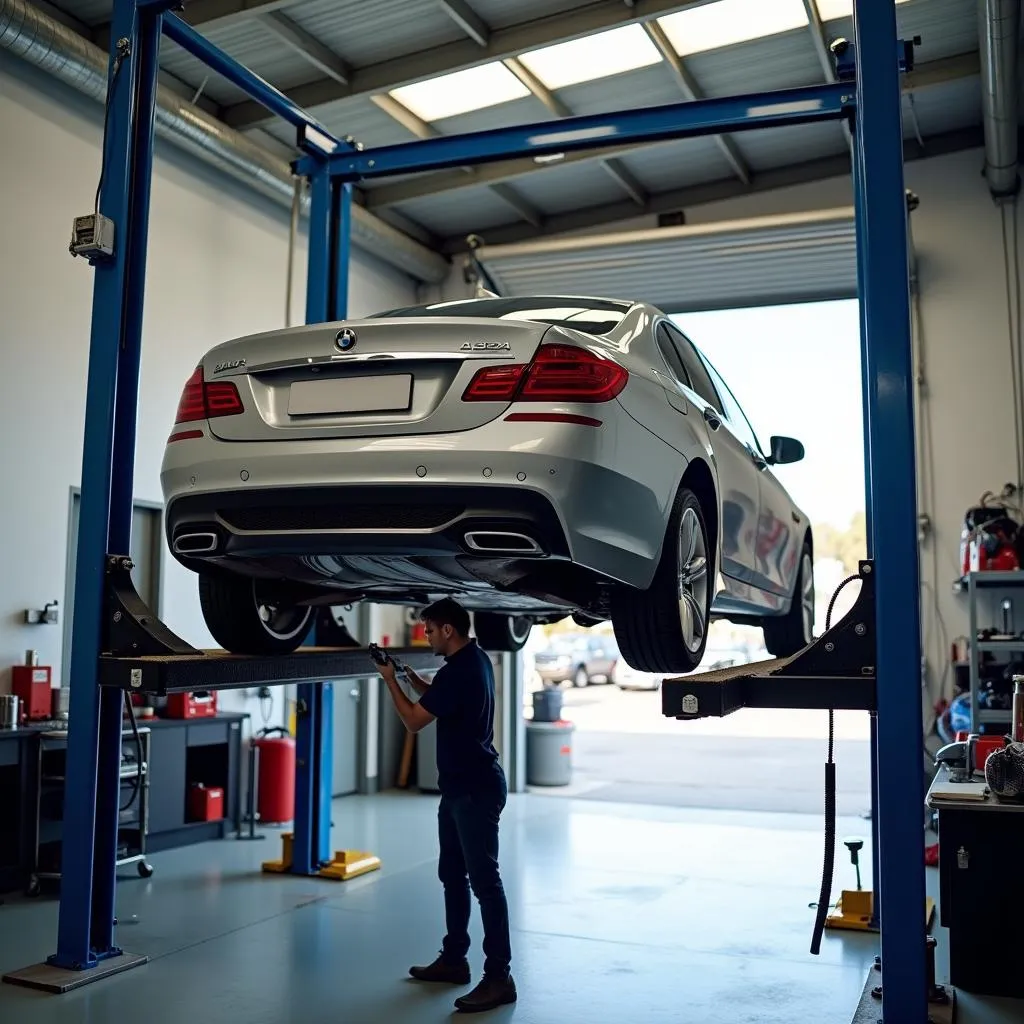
<point>461,698</point>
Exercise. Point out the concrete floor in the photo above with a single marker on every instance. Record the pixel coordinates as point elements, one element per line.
<point>619,913</point>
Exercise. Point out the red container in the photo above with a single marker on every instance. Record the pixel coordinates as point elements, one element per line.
<point>206,803</point>
<point>276,797</point>
<point>31,685</point>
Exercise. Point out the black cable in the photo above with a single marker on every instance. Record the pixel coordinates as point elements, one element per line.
<point>1014,360</point>
<point>828,867</point>
<point>119,60</point>
<point>137,782</point>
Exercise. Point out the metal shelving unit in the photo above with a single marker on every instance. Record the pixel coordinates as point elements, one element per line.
<point>973,584</point>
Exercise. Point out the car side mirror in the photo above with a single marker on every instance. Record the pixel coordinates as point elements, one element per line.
<point>786,450</point>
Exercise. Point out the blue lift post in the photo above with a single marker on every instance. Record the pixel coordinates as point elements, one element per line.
<point>85,932</point>
<point>885,295</point>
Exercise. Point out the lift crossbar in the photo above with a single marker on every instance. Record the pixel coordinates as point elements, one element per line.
<point>727,114</point>
<point>835,672</point>
<point>161,674</point>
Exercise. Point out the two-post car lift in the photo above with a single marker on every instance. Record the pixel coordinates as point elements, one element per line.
<point>119,646</point>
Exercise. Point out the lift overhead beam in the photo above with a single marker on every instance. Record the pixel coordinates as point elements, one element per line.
<point>869,103</point>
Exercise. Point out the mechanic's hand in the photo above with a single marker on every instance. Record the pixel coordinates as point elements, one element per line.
<point>388,672</point>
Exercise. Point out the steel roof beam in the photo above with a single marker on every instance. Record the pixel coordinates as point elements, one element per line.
<point>307,46</point>
<point>468,20</point>
<point>622,176</point>
<point>713,191</point>
<point>692,91</point>
<point>584,20</point>
<point>937,72</point>
<point>415,125</point>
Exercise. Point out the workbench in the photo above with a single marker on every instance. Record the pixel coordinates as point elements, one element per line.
<point>182,752</point>
<point>981,886</point>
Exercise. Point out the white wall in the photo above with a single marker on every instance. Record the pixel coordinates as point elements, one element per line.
<point>217,263</point>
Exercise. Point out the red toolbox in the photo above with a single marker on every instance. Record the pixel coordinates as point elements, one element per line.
<point>206,803</point>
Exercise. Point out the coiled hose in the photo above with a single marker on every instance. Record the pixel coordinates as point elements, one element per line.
<point>828,868</point>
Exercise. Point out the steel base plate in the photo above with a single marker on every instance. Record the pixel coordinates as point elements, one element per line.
<point>59,980</point>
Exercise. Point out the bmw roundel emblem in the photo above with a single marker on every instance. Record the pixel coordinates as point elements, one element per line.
<point>345,340</point>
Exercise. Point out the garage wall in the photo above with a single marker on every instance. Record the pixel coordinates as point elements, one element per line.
<point>217,263</point>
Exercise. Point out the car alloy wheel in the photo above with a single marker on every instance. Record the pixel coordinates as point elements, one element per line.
<point>283,622</point>
<point>807,595</point>
<point>693,580</point>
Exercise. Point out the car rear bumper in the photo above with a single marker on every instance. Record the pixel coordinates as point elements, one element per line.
<point>424,494</point>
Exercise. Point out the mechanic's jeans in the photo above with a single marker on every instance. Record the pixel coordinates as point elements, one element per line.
<point>468,834</point>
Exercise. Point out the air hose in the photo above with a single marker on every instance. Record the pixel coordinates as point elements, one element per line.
<point>825,895</point>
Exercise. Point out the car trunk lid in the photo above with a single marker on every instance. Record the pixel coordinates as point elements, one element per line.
<point>364,378</point>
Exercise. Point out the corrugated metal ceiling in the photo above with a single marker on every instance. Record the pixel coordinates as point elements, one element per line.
<point>368,32</point>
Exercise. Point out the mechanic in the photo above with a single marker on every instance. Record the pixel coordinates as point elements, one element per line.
<point>473,795</point>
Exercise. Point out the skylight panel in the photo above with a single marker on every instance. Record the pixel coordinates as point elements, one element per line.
<point>831,10</point>
<point>460,92</point>
<point>727,22</point>
<point>592,57</point>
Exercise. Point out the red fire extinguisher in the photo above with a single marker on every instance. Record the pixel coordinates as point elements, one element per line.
<point>276,773</point>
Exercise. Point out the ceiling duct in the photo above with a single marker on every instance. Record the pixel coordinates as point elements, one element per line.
<point>998,36</point>
<point>44,42</point>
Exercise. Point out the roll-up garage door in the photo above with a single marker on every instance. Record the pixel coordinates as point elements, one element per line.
<point>760,261</point>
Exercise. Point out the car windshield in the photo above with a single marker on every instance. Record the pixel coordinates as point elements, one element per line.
<point>592,316</point>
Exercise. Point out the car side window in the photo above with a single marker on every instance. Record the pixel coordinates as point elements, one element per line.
<point>701,382</point>
<point>733,410</point>
<point>672,357</point>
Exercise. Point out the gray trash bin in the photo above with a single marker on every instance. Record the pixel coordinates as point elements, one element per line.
<point>549,753</point>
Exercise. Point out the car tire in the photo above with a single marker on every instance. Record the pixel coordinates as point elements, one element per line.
<point>501,633</point>
<point>792,632</point>
<point>580,678</point>
<point>664,628</point>
<point>244,622</point>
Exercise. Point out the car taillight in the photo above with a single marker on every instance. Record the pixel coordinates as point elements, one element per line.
<point>557,373</point>
<point>200,400</point>
<point>495,384</point>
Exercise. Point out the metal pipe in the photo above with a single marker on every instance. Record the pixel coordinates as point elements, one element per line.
<point>998,32</point>
<point>44,42</point>
<point>293,240</point>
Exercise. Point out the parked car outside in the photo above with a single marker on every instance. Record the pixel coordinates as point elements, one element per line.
<point>576,659</point>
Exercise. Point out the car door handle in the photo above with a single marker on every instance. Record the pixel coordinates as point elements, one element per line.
<point>714,421</point>
<point>354,694</point>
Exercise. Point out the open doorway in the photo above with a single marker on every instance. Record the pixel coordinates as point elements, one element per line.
<point>796,372</point>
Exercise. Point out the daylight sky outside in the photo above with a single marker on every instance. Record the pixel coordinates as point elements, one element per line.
<point>796,371</point>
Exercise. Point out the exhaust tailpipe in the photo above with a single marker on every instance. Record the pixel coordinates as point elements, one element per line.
<point>499,542</point>
<point>195,543</point>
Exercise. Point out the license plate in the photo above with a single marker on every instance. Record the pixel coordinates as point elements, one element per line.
<point>392,393</point>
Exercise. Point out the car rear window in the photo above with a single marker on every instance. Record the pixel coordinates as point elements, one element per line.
<point>592,316</point>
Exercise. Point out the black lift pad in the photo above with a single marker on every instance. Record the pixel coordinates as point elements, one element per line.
<point>161,674</point>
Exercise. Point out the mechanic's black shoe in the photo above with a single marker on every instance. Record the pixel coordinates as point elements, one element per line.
<point>456,973</point>
<point>490,993</point>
